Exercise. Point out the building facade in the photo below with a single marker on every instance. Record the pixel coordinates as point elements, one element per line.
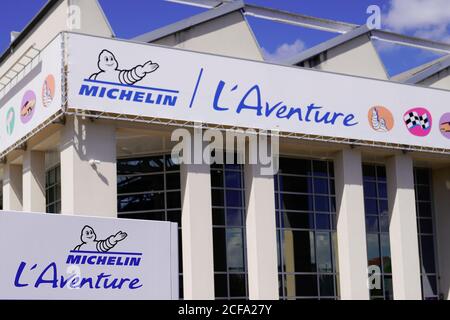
<point>337,221</point>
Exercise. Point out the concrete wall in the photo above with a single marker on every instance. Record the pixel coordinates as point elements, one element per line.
<point>88,188</point>
<point>356,57</point>
<point>57,20</point>
<point>440,80</point>
<point>229,35</point>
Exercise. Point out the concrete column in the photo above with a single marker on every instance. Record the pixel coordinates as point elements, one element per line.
<point>441,195</point>
<point>197,239</point>
<point>12,187</point>
<point>34,181</point>
<point>403,229</point>
<point>261,234</point>
<point>88,168</point>
<point>351,227</point>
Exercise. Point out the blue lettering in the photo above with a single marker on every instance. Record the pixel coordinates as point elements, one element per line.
<point>139,96</point>
<point>281,112</point>
<point>219,90</point>
<point>53,280</point>
<point>18,274</point>
<point>269,109</point>
<point>257,107</point>
<point>112,93</point>
<point>126,95</point>
<point>134,284</point>
<point>169,100</point>
<point>87,90</point>
<point>311,107</point>
<point>73,259</point>
<point>347,120</point>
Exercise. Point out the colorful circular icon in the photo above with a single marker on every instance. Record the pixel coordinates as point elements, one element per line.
<point>444,125</point>
<point>380,119</point>
<point>28,106</point>
<point>10,121</point>
<point>48,90</point>
<point>418,121</point>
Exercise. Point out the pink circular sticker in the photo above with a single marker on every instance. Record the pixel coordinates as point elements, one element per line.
<point>418,121</point>
<point>28,106</point>
<point>444,125</point>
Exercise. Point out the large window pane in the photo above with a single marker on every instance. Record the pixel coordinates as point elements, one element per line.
<point>304,191</point>
<point>229,231</point>
<point>377,228</point>
<point>53,190</point>
<point>149,189</point>
<point>425,229</point>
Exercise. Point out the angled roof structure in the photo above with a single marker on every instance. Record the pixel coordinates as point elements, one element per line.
<point>327,45</point>
<point>423,72</point>
<point>214,13</point>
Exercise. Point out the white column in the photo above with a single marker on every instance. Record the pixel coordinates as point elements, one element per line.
<point>441,197</point>
<point>12,187</point>
<point>261,234</point>
<point>403,229</point>
<point>34,181</point>
<point>88,168</point>
<point>197,239</point>
<point>351,228</point>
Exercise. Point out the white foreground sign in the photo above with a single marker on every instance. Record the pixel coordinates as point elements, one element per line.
<point>119,77</point>
<point>71,257</point>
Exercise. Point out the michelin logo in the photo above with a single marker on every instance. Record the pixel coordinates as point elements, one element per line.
<point>90,250</point>
<point>110,80</point>
<point>109,70</point>
<point>89,241</point>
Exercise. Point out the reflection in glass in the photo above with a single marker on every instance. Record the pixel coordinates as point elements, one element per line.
<point>377,228</point>
<point>306,220</point>
<point>229,231</point>
<point>426,237</point>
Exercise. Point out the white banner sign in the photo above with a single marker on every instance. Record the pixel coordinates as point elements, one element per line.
<point>137,79</point>
<point>32,97</point>
<point>48,256</point>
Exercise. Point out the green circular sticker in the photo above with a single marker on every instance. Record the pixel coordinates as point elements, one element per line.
<point>10,121</point>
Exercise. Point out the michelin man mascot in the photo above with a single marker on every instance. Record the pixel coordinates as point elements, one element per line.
<point>109,70</point>
<point>89,241</point>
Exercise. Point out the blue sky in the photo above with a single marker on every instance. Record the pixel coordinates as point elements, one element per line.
<point>426,18</point>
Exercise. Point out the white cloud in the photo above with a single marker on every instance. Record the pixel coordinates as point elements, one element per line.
<point>423,18</point>
<point>284,51</point>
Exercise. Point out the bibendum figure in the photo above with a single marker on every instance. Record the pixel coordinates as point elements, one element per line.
<point>89,241</point>
<point>109,70</point>
<point>378,123</point>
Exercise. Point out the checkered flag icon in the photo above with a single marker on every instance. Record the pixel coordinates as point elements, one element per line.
<point>413,119</point>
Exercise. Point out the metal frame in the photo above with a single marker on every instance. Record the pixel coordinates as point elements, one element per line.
<point>320,24</point>
<point>281,134</point>
<point>278,215</point>
<point>55,186</point>
<point>165,210</point>
<point>223,189</point>
<point>421,73</point>
<point>433,234</point>
<point>379,232</point>
<point>19,67</point>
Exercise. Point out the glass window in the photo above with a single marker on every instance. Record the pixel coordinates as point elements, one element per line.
<point>429,273</point>
<point>230,266</point>
<point>377,228</point>
<point>148,188</point>
<point>306,224</point>
<point>53,190</point>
